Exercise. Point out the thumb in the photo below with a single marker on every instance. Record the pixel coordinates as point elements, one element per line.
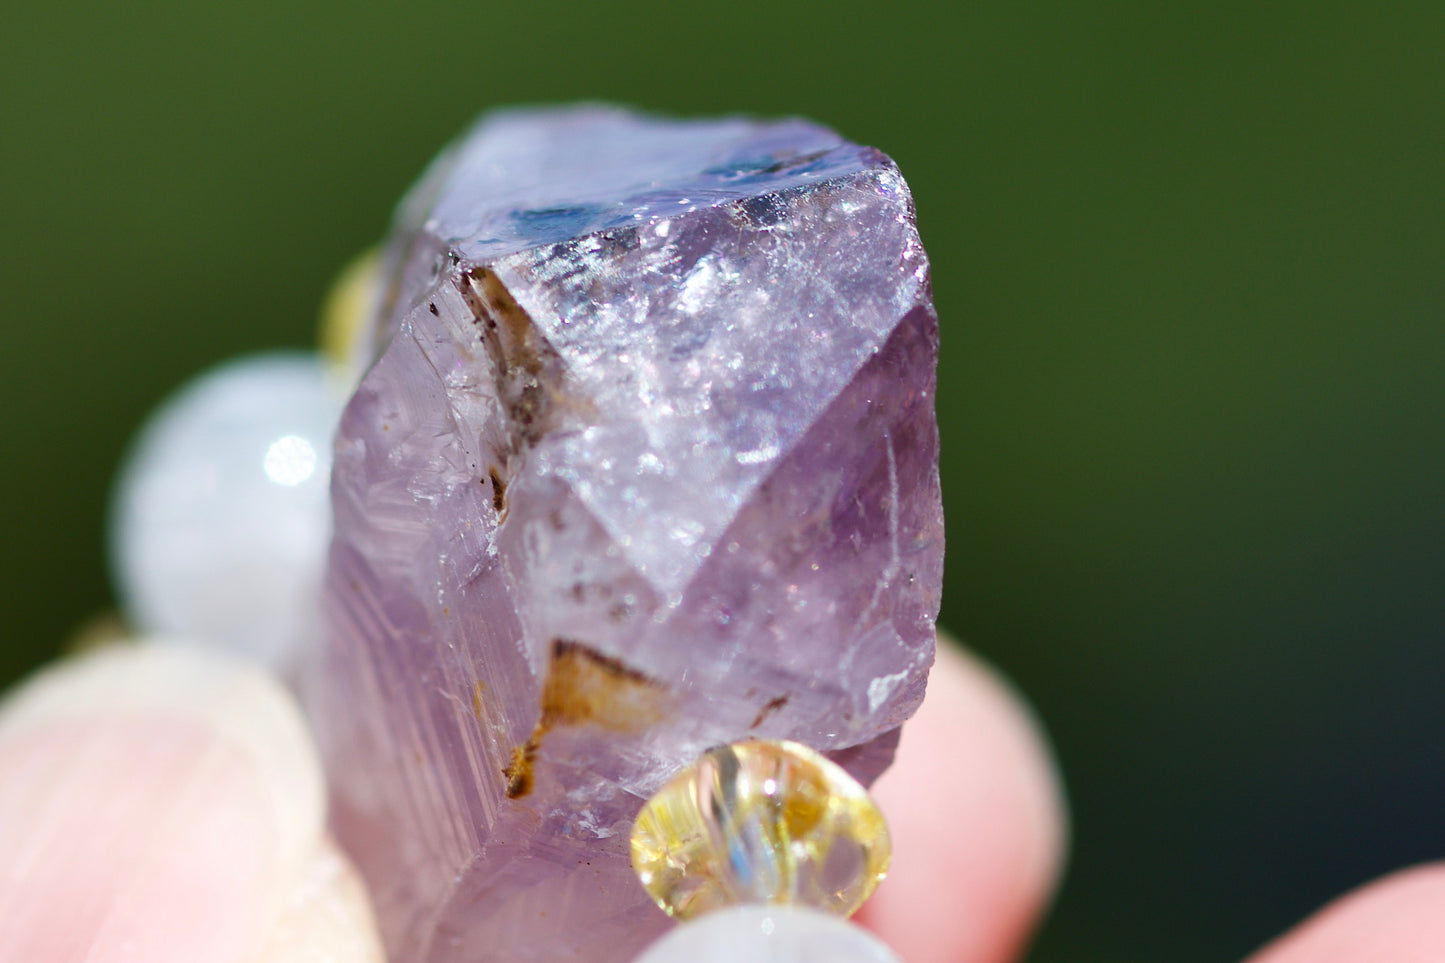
<point>160,803</point>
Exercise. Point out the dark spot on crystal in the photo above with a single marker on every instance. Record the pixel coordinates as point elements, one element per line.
<point>796,161</point>
<point>517,344</point>
<point>619,612</point>
<point>759,168</point>
<point>499,491</point>
<point>579,592</point>
<point>527,408</point>
<point>529,374</point>
<point>742,168</point>
<point>550,223</point>
<point>773,705</point>
<point>519,771</point>
<point>585,687</point>
<point>577,674</point>
<point>764,210</point>
<point>620,240</point>
<point>432,307</point>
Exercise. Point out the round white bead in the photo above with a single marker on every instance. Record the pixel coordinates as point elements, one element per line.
<point>221,522</point>
<point>768,934</point>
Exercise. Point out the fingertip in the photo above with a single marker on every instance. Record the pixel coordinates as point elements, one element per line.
<point>157,803</point>
<point>1397,918</point>
<point>976,810</point>
<point>170,685</point>
<point>327,916</point>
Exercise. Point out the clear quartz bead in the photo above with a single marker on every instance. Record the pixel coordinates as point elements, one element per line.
<point>768,934</point>
<point>760,822</point>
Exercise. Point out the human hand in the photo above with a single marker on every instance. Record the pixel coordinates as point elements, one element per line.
<point>158,804</point>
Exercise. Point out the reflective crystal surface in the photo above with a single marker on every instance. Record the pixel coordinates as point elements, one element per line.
<point>760,822</point>
<point>646,463</point>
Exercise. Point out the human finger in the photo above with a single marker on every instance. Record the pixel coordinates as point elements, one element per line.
<point>1400,918</point>
<point>164,804</point>
<point>975,807</point>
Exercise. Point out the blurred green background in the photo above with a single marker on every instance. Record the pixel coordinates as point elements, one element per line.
<point>1190,260</point>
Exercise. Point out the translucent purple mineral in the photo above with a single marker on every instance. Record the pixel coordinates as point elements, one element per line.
<point>646,462</point>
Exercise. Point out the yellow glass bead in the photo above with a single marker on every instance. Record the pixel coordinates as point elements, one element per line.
<point>760,822</point>
<point>347,308</point>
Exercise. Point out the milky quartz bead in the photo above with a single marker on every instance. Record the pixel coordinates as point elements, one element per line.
<point>768,934</point>
<point>221,522</point>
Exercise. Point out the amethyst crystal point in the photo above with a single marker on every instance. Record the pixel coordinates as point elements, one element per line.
<point>646,463</point>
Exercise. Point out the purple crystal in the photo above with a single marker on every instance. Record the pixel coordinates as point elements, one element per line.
<point>647,462</point>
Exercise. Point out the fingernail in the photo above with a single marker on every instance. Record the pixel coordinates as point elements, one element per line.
<point>155,802</point>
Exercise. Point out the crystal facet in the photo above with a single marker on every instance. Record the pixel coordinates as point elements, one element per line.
<point>760,822</point>
<point>645,463</point>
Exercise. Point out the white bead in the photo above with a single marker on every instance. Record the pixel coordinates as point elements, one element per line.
<point>768,934</point>
<point>221,521</point>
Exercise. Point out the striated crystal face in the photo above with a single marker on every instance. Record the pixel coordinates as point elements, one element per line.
<point>646,463</point>
<point>760,822</point>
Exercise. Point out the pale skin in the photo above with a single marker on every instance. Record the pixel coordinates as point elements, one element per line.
<point>155,808</point>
